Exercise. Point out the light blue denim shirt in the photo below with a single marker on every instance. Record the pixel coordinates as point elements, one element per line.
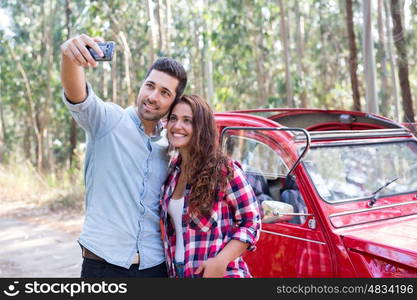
<point>124,171</point>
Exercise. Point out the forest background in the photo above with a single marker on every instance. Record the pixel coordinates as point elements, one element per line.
<point>329,54</point>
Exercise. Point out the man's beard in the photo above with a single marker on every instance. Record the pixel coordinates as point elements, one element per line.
<point>149,115</point>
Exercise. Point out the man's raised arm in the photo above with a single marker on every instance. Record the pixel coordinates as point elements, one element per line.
<point>74,57</point>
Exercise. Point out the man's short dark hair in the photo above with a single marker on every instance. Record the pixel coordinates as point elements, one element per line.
<point>172,68</point>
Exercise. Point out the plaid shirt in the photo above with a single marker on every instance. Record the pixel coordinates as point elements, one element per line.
<point>235,215</point>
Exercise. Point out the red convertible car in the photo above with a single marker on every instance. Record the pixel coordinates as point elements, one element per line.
<point>338,191</point>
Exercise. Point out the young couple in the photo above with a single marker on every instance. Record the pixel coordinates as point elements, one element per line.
<point>205,212</point>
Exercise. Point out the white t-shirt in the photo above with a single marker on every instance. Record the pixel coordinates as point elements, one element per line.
<point>175,209</point>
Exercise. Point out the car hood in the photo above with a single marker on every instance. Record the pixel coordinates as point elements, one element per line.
<point>394,239</point>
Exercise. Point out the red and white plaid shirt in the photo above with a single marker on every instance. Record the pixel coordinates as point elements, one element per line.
<point>235,215</point>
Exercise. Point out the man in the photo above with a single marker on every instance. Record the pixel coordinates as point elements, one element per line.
<point>125,165</point>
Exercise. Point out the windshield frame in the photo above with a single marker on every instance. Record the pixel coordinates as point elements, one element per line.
<point>342,143</point>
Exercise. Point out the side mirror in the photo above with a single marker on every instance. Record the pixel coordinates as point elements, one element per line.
<point>276,211</point>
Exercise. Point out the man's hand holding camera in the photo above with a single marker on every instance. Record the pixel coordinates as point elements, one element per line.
<point>75,50</point>
<point>76,53</point>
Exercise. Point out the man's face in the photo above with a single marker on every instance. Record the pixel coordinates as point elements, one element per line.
<point>156,95</point>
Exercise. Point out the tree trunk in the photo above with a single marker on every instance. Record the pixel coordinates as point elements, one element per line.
<point>369,59</point>
<point>390,52</point>
<point>27,143</point>
<point>300,54</point>
<point>161,21</point>
<point>168,20</point>
<point>200,35</point>
<point>326,80</point>
<point>285,46</point>
<point>73,127</point>
<point>44,114</point>
<point>402,61</point>
<point>127,56</point>
<point>114,78</point>
<point>196,57</point>
<point>105,68</point>
<point>68,12</point>
<point>30,109</point>
<point>208,63</point>
<point>2,133</point>
<point>353,60</point>
<point>384,94</point>
<point>257,40</point>
<point>151,33</point>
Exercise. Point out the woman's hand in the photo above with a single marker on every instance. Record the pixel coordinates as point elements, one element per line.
<point>216,266</point>
<point>213,267</point>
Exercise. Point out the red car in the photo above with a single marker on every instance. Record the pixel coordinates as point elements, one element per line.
<point>338,191</point>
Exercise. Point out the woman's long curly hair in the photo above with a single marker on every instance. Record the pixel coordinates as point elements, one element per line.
<point>208,168</point>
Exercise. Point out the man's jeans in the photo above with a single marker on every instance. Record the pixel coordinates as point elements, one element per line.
<point>100,269</point>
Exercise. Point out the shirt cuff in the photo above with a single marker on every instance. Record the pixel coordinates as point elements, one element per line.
<point>77,107</point>
<point>248,235</point>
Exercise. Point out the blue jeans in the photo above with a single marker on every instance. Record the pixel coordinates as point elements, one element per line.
<point>179,269</point>
<point>100,269</point>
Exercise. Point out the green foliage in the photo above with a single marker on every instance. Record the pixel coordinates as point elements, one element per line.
<point>241,39</point>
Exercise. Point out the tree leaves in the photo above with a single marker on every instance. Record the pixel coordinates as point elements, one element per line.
<point>240,39</point>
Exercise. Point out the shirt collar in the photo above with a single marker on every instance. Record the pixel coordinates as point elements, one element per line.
<point>175,160</point>
<point>134,116</point>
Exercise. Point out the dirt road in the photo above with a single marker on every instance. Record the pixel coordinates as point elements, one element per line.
<point>41,246</point>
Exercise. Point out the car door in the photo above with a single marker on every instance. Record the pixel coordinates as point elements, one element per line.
<point>296,247</point>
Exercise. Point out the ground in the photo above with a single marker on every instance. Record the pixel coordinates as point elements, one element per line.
<point>38,242</point>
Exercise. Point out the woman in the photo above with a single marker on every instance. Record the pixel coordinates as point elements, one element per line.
<point>209,213</point>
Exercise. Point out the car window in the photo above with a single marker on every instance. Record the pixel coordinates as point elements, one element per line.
<point>255,156</point>
<point>265,169</point>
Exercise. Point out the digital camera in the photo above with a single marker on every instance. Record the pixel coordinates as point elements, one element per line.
<point>106,47</point>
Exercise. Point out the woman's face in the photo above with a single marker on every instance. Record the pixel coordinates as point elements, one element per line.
<point>180,126</point>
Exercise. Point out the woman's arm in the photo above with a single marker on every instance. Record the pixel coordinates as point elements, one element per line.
<point>216,266</point>
<point>244,204</point>
<point>242,201</point>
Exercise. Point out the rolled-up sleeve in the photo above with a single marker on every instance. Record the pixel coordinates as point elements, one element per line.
<point>93,115</point>
<point>241,197</point>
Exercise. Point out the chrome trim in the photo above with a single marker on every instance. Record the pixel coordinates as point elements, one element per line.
<point>277,214</point>
<point>293,237</point>
<point>349,134</point>
<point>362,142</point>
<point>369,209</point>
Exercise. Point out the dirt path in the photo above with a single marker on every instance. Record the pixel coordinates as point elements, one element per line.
<point>35,242</point>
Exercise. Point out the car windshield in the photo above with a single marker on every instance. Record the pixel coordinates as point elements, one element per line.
<point>348,172</point>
